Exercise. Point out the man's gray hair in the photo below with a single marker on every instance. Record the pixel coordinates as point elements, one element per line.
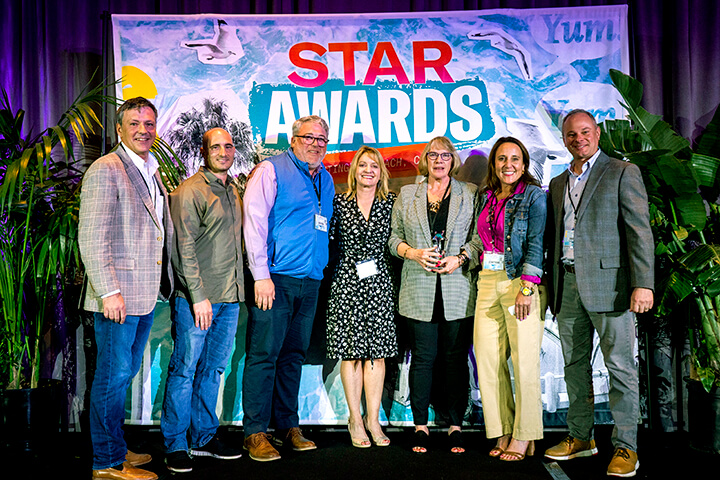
<point>297,125</point>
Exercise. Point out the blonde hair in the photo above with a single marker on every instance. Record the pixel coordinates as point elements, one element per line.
<point>442,142</point>
<point>382,189</point>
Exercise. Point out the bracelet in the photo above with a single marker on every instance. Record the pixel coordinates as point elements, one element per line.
<point>463,258</point>
<point>405,252</point>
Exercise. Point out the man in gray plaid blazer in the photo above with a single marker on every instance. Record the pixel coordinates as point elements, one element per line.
<point>601,264</point>
<point>125,237</point>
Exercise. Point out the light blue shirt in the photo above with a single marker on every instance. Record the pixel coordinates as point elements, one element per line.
<point>573,195</point>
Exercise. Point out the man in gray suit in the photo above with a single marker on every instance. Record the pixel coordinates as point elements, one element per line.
<point>601,261</point>
<point>125,236</point>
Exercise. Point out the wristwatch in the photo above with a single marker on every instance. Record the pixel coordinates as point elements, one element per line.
<point>527,291</point>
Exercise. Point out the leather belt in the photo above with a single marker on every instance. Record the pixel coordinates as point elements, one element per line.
<point>569,268</point>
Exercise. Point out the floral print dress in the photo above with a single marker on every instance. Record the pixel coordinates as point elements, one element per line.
<point>361,311</point>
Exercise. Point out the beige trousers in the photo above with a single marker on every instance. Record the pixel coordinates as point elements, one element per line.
<point>498,336</point>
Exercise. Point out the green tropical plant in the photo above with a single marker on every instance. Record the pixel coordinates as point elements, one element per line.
<point>683,186</point>
<point>39,205</point>
<point>38,225</point>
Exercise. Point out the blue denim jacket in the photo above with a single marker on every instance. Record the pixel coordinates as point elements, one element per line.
<point>526,212</point>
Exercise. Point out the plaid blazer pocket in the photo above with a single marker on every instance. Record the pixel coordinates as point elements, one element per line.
<point>124,263</point>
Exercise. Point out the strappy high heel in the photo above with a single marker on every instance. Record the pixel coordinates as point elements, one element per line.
<point>359,442</point>
<point>379,440</point>
<point>517,456</point>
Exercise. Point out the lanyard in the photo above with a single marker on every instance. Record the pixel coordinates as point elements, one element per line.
<point>574,207</point>
<point>318,188</point>
<point>491,220</point>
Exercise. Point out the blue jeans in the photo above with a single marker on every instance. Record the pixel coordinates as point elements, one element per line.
<point>277,341</point>
<point>196,367</point>
<point>119,353</point>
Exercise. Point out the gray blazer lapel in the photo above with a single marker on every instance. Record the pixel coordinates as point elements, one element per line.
<point>138,182</point>
<point>596,173</point>
<point>421,209</point>
<point>454,210</point>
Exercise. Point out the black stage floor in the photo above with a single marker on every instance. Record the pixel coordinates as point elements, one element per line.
<point>662,456</point>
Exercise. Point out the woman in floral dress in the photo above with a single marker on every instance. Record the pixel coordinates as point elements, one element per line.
<point>360,319</point>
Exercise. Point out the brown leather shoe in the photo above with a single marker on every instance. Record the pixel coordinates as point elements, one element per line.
<point>128,472</point>
<point>570,448</point>
<point>137,459</point>
<point>259,448</point>
<point>624,463</point>
<point>295,438</point>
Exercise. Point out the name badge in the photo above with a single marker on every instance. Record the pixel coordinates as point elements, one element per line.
<point>321,223</point>
<point>493,261</point>
<point>569,238</point>
<point>366,268</point>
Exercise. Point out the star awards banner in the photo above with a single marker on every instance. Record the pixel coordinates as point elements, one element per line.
<point>393,81</point>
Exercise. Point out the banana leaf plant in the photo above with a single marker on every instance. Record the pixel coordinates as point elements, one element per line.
<point>39,204</point>
<point>683,186</point>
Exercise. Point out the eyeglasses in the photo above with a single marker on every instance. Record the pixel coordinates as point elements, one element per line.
<point>309,140</point>
<point>445,156</point>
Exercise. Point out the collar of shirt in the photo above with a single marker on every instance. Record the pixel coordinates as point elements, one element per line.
<point>304,165</point>
<point>586,167</point>
<point>147,168</point>
<point>147,171</point>
<point>519,188</point>
<point>210,177</point>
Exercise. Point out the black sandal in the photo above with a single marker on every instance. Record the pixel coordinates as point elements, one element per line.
<point>420,441</point>
<point>455,440</point>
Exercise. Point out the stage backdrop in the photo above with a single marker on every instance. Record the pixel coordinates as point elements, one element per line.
<point>393,81</point>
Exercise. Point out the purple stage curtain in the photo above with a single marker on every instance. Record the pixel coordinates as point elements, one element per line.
<point>51,47</point>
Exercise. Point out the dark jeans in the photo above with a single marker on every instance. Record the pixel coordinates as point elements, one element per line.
<point>277,341</point>
<point>447,342</point>
<point>119,353</point>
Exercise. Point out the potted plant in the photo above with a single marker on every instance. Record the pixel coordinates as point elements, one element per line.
<point>38,230</point>
<point>39,203</point>
<point>683,185</point>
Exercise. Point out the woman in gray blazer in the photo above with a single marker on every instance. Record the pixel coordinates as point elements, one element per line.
<point>432,230</point>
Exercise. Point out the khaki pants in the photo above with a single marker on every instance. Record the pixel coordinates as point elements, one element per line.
<point>498,336</point>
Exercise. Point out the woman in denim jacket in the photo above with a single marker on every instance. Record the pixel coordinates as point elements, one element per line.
<point>508,313</point>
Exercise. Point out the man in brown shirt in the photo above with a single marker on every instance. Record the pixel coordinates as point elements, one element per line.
<point>207,258</point>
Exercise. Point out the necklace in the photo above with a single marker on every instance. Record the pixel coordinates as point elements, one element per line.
<point>434,207</point>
